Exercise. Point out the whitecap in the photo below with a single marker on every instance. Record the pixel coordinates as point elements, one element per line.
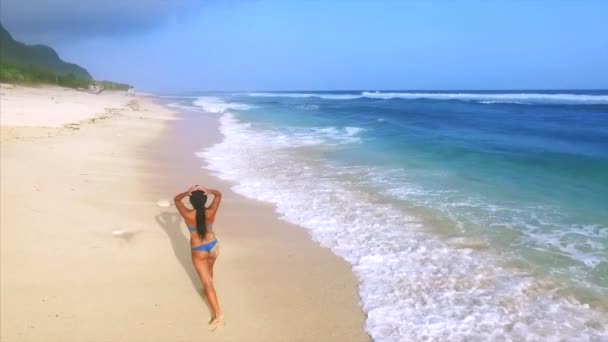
<point>484,98</point>
<point>489,98</point>
<point>216,105</point>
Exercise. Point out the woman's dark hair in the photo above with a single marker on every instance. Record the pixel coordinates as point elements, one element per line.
<point>198,199</point>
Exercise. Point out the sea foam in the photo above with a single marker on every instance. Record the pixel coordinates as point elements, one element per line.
<point>303,95</point>
<point>484,98</point>
<point>215,105</point>
<point>413,286</point>
<point>498,98</point>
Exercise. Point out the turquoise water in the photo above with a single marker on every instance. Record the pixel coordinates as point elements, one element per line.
<point>445,203</point>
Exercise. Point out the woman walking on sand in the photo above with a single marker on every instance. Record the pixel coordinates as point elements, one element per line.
<point>203,242</point>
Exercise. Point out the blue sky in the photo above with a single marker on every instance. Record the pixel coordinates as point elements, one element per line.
<point>311,45</point>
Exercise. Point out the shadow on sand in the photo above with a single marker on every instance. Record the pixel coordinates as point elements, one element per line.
<point>171,224</point>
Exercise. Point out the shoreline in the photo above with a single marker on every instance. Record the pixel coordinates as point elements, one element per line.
<point>87,254</point>
<point>413,284</point>
<point>277,255</point>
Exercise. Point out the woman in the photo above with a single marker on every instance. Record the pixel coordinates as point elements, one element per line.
<point>203,243</point>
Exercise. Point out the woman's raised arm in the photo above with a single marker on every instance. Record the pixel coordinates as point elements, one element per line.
<point>177,200</point>
<point>217,198</point>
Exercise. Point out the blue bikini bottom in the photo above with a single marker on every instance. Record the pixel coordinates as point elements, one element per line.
<point>206,247</point>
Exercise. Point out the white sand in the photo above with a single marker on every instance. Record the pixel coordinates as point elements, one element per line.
<point>89,250</point>
<point>48,106</point>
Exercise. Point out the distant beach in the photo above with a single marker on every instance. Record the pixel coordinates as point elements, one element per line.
<point>90,252</point>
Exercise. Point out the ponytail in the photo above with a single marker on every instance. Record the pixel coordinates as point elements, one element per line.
<point>198,199</point>
<point>201,224</point>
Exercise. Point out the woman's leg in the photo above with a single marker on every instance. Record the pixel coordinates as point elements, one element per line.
<point>215,252</point>
<point>201,264</point>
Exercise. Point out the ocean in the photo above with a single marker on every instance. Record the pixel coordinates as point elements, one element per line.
<point>464,215</point>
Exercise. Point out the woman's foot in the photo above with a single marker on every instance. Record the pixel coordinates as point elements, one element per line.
<point>216,322</point>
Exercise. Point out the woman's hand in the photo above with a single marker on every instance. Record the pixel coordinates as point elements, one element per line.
<point>197,188</point>
<point>192,189</point>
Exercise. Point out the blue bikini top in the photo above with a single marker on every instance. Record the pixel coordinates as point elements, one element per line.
<point>193,229</point>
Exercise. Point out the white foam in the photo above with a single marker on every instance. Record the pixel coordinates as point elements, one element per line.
<point>352,131</point>
<point>296,138</point>
<point>215,105</point>
<point>496,101</point>
<point>485,98</point>
<point>310,107</point>
<point>181,106</point>
<point>412,286</point>
<point>549,233</point>
<point>498,98</point>
<point>303,95</point>
<point>178,97</point>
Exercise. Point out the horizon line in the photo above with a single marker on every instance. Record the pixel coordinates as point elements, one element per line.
<point>388,90</point>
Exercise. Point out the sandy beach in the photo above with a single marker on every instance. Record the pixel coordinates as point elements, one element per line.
<point>87,254</point>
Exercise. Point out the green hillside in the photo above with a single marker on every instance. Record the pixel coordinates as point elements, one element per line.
<point>34,64</point>
<point>44,57</point>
